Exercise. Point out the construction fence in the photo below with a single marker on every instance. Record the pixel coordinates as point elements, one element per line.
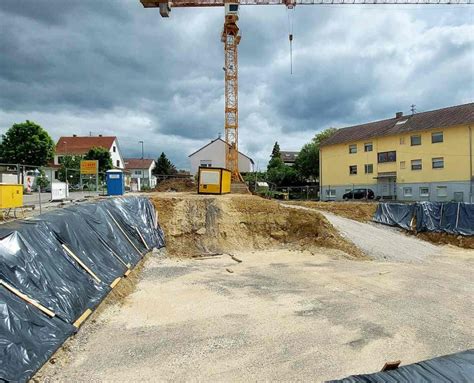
<point>56,268</point>
<point>443,217</point>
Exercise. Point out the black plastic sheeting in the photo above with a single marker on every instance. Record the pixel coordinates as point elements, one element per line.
<point>457,367</point>
<point>33,260</point>
<point>444,217</point>
<point>395,214</point>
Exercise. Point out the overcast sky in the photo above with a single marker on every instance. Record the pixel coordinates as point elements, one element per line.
<point>115,68</point>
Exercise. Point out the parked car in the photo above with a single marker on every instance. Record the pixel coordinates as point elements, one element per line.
<point>359,194</point>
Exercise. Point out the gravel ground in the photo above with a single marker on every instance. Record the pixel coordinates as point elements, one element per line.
<point>280,315</point>
<point>379,241</point>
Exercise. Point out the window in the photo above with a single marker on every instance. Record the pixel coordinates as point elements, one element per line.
<point>407,192</point>
<point>416,165</point>
<point>331,193</point>
<point>114,149</point>
<point>402,140</point>
<point>206,164</point>
<point>387,156</point>
<point>438,163</point>
<point>402,165</point>
<point>369,168</point>
<point>442,191</point>
<point>352,149</point>
<point>353,169</point>
<point>118,163</point>
<point>424,192</point>
<point>437,137</point>
<point>368,147</point>
<point>60,159</point>
<point>138,172</point>
<point>415,140</point>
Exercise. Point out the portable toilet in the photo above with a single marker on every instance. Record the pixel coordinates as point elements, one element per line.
<point>213,180</point>
<point>115,182</point>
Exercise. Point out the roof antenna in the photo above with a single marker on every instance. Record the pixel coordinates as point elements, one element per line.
<point>413,109</point>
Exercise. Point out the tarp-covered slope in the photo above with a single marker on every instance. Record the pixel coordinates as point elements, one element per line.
<point>66,261</point>
<point>457,367</point>
<point>446,217</point>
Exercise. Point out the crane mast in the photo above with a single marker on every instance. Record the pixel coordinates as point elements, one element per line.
<point>231,39</point>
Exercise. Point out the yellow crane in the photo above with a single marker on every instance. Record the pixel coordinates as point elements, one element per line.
<point>231,39</point>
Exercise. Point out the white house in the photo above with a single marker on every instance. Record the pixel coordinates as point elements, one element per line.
<point>141,169</point>
<point>213,155</point>
<point>79,146</point>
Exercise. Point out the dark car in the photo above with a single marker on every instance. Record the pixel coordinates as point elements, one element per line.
<point>359,194</point>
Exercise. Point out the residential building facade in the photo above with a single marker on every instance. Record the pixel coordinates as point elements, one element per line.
<point>424,156</point>
<point>213,155</point>
<point>140,171</point>
<point>79,146</point>
<point>288,157</point>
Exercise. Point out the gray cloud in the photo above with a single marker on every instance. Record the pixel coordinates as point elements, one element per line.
<point>113,67</point>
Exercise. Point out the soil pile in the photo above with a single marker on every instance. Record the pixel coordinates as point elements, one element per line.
<point>177,185</point>
<point>197,225</point>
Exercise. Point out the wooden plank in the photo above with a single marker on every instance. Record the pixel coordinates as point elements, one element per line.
<point>123,232</point>
<point>141,237</point>
<point>391,365</point>
<point>82,264</point>
<point>82,318</point>
<point>27,299</point>
<point>114,283</point>
<point>127,273</point>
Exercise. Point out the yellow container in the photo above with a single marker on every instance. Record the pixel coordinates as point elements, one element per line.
<point>213,181</point>
<point>11,195</point>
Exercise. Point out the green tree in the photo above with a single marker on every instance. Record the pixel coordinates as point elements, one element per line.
<point>164,166</point>
<point>41,180</point>
<point>276,150</point>
<point>307,162</point>
<point>284,176</point>
<point>73,166</point>
<point>26,143</point>
<point>102,155</point>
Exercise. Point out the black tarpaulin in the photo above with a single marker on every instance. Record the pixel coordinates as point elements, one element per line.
<point>445,217</point>
<point>34,262</point>
<point>71,229</point>
<point>394,214</point>
<point>27,337</point>
<point>457,367</point>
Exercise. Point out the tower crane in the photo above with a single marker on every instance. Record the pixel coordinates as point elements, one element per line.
<point>231,39</point>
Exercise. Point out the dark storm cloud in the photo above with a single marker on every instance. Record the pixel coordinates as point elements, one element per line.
<point>114,67</point>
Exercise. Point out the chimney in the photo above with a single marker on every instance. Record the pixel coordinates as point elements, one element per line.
<point>399,115</point>
<point>74,135</point>
<point>100,135</point>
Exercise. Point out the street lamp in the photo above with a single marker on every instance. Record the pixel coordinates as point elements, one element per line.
<point>141,142</point>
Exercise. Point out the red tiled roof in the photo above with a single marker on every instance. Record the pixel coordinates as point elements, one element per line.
<point>81,145</point>
<point>137,163</point>
<point>440,118</point>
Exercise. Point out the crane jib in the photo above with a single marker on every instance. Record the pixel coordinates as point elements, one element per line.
<point>220,3</point>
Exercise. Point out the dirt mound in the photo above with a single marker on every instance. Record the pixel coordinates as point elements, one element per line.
<point>200,225</point>
<point>359,211</point>
<point>177,185</point>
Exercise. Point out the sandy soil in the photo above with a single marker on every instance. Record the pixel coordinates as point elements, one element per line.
<point>379,241</point>
<point>280,315</point>
<point>198,225</point>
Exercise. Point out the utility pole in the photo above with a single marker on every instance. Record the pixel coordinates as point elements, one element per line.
<point>413,109</point>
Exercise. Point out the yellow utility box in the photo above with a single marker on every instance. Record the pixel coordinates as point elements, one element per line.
<point>11,195</point>
<point>213,181</point>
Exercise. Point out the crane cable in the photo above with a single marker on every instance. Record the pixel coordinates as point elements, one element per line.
<point>290,34</point>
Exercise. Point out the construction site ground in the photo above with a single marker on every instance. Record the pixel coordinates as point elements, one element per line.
<point>248,289</point>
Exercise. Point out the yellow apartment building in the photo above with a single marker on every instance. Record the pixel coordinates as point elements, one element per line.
<point>424,156</point>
